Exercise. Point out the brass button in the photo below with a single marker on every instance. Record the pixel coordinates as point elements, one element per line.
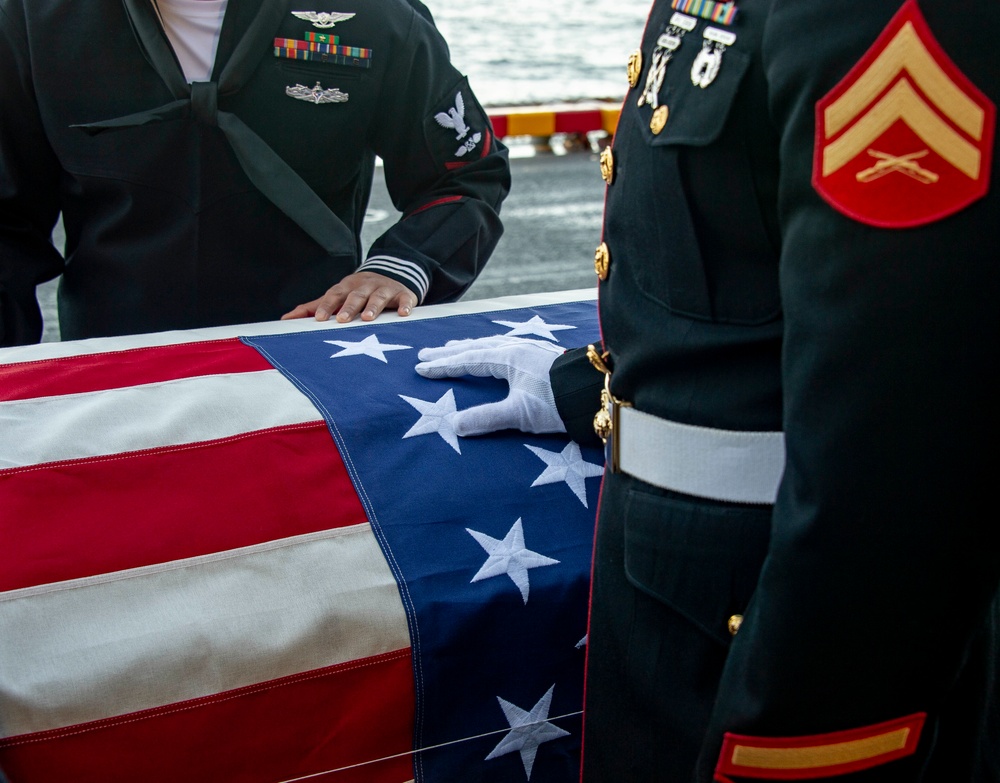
<point>602,261</point>
<point>602,424</point>
<point>634,67</point>
<point>607,165</point>
<point>734,624</point>
<point>659,119</point>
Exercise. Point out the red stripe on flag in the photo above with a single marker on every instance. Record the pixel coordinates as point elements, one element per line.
<point>146,507</point>
<point>321,720</point>
<point>79,374</point>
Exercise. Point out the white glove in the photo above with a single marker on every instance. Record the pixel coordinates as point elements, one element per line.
<point>523,363</point>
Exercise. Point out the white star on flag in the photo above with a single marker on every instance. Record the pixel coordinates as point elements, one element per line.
<point>509,557</point>
<point>528,730</point>
<point>370,346</point>
<point>536,326</point>
<point>569,466</point>
<point>435,417</point>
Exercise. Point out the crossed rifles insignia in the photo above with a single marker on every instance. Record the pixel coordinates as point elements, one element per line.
<point>905,139</point>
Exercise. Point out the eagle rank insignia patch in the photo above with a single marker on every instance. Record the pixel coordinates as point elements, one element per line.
<point>905,138</point>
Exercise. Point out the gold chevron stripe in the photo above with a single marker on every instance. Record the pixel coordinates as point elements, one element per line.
<point>820,755</point>
<point>903,102</point>
<point>907,51</point>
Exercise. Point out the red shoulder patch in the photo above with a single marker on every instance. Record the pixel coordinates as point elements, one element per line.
<point>905,138</point>
<point>818,755</point>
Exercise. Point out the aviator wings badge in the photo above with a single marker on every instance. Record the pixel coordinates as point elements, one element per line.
<point>905,138</point>
<point>322,19</point>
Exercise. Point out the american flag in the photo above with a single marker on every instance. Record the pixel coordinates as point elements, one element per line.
<point>261,554</point>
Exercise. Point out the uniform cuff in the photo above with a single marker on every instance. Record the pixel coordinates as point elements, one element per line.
<point>408,273</point>
<point>576,387</point>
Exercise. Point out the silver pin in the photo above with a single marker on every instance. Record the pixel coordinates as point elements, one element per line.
<point>668,43</point>
<point>317,94</point>
<point>322,19</point>
<point>470,144</point>
<point>683,21</point>
<point>709,60</point>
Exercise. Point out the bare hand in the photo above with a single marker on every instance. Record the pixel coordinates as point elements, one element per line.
<point>367,293</point>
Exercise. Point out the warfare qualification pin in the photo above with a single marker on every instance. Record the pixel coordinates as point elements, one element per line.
<point>709,60</point>
<point>322,19</point>
<point>317,94</point>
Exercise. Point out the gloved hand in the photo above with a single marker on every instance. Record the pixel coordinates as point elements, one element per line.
<point>523,363</point>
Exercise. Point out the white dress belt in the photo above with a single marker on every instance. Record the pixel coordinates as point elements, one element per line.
<point>738,467</point>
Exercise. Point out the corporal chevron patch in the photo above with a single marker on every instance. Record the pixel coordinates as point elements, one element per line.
<point>905,138</point>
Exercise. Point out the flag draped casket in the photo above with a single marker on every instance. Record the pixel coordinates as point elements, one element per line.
<point>261,554</point>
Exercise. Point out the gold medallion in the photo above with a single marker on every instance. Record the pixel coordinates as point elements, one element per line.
<point>659,119</point>
<point>602,424</point>
<point>607,165</point>
<point>634,67</point>
<point>602,261</point>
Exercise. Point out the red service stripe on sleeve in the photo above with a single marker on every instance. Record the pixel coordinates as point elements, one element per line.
<point>487,147</point>
<point>436,203</point>
<point>819,755</point>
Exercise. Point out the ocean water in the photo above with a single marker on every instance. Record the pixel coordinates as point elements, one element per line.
<point>539,51</point>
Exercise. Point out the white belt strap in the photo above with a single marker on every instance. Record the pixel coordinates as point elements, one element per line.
<point>739,467</point>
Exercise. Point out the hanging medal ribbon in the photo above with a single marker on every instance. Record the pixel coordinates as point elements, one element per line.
<point>709,60</point>
<point>666,45</point>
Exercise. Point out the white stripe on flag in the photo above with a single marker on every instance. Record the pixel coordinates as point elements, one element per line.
<point>31,353</point>
<point>101,423</point>
<point>108,645</point>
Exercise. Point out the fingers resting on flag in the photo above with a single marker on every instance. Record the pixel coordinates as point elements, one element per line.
<point>523,363</point>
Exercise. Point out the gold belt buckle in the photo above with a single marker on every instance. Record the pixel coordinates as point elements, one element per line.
<point>607,418</point>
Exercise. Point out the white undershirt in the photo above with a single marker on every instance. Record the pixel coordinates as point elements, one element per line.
<point>193,27</point>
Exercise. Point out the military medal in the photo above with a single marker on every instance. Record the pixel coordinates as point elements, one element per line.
<point>317,94</point>
<point>668,43</point>
<point>709,60</point>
